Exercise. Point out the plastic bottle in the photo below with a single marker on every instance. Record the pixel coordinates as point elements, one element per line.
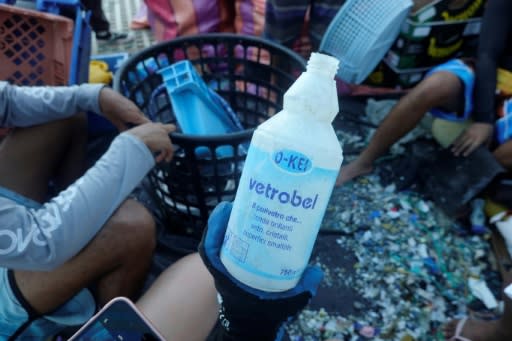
<point>287,180</point>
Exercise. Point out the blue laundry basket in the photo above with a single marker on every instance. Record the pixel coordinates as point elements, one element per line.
<point>250,73</point>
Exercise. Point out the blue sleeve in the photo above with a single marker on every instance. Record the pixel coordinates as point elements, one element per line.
<point>31,105</point>
<point>42,239</point>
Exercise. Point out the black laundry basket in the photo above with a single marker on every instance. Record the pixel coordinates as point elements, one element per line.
<point>250,73</point>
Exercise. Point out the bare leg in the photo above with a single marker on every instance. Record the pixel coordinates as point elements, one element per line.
<point>504,155</point>
<point>476,330</point>
<point>182,302</point>
<point>98,20</point>
<point>31,157</point>
<point>116,260</point>
<point>441,89</point>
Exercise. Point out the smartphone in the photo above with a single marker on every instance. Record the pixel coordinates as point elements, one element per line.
<point>118,320</point>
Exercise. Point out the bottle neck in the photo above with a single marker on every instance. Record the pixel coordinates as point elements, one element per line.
<point>322,64</point>
<point>314,92</point>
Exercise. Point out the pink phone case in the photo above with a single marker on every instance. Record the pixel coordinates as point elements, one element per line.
<point>129,312</point>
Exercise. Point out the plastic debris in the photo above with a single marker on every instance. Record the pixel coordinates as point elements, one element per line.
<point>477,216</point>
<point>411,270</point>
<point>366,331</point>
<point>508,291</point>
<point>503,222</point>
<point>377,110</point>
<point>480,290</point>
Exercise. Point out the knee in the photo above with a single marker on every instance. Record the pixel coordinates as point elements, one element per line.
<point>133,228</point>
<point>73,128</point>
<point>503,155</point>
<point>500,157</point>
<point>78,121</point>
<point>438,89</point>
<point>75,125</point>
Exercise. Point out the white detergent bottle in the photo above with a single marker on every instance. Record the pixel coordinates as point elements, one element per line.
<point>287,180</point>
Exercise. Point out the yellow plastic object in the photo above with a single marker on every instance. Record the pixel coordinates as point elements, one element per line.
<point>445,132</point>
<point>492,208</point>
<point>504,82</point>
<point>99,72</point>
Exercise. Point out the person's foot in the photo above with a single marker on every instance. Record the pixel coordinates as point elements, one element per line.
<point>477,330</point>
<point>353,170</point>
<point>113,37</point>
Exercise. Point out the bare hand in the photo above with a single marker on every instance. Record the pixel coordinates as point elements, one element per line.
<point>156,137</point>
<point>120,110</point>
<point>473,137</point>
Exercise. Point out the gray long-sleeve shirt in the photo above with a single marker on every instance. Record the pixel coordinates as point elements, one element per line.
<point>44,238</point>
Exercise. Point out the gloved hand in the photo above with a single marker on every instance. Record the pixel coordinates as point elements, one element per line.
<point>247,313</point>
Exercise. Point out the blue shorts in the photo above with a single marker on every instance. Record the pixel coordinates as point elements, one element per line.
<point>18,316</point>
<point>20,199</point>
<point>467,77</point>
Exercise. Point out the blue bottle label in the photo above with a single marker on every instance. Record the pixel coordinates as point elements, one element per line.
<point>292,161</point>
<point>279,206</point>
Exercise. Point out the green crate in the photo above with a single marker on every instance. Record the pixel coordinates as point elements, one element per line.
<point>384,75</point>
<point>422,45</point>
<point>448,10</point>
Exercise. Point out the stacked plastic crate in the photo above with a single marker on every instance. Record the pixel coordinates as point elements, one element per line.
<point>40,47</point>
<point>434,32</point>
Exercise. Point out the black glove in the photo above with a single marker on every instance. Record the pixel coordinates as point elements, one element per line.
<point>247,313</point>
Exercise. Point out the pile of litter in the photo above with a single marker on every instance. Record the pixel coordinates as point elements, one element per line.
<point>412,271</point>
<point>413,267</point>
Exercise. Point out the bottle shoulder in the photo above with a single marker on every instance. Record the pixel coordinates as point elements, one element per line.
<point>303,126</point>
<point>314,139</point>
<point>313,95</point>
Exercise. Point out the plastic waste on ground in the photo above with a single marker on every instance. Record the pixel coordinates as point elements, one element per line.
<point>477,216</point>
<point>480,290</point>
<point>412,263</point>
<point>508,291</point>
<point>503,222</point>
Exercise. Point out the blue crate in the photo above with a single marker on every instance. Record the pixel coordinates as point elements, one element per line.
<point>54,6</point>
<point>81,53</point>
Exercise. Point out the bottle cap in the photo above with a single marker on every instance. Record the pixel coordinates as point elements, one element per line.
<point>325,64</point>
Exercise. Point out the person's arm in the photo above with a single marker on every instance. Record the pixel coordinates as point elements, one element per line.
<point>22,106</point>
<point>495,32</point>
<point>42,239</point>
<point>494,35</point>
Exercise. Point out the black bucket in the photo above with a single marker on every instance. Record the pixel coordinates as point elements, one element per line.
<point>250,73</point>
